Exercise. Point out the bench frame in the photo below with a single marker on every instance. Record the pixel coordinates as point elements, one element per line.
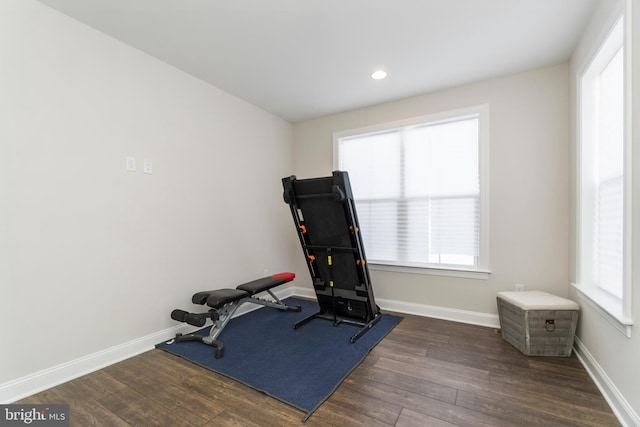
<point>224,303</point>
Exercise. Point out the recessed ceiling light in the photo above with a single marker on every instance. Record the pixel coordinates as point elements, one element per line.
<point>378,75</point>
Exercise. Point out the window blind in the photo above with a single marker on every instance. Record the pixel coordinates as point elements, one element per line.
<point>417,191</point>
<point>608,174</point>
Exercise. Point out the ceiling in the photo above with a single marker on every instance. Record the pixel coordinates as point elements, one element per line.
<point>302,59</point>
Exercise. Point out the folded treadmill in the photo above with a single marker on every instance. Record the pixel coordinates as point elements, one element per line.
<point>324,214</point>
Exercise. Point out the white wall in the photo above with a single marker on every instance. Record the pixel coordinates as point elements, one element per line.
<point>611,357</point>
<point>91,256</point>
<point>529,185</point>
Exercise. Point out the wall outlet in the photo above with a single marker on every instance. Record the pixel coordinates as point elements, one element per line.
<point>519,287</point>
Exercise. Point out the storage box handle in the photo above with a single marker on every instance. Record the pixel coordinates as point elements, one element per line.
<point>550,325</point>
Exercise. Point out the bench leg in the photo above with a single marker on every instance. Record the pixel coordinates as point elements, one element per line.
<point>217,345</point>
<point>220,320</point>
<point>220,317</point>
<point>275,303</point>
<point>225,314</point>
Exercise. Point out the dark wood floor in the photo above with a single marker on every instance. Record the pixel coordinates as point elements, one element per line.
<point>426,372</point>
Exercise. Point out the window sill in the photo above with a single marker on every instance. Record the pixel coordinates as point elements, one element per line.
<point>607,306</point>
<point>450,272</point>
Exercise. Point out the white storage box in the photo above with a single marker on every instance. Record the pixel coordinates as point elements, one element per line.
<point>538,323</point>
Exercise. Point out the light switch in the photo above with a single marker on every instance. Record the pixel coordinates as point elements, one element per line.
<point>148,166</point>
<point>131,164</point>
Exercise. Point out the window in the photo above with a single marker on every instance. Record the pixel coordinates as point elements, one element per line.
<point>420,190</point>
<point>602,177</point>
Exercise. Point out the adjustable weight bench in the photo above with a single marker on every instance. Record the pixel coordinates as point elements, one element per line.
<point>225,302</point>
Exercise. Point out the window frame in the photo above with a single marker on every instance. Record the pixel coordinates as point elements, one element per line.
<point>481,271</point>
<point>617,311</point>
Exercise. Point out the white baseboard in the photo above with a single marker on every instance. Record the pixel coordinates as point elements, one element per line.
<point>47,378</point>
<point>455,315</point>
<point>444,313</point>
<point>619,405</point>
<point>42,380</point>
<point>39,381</point>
